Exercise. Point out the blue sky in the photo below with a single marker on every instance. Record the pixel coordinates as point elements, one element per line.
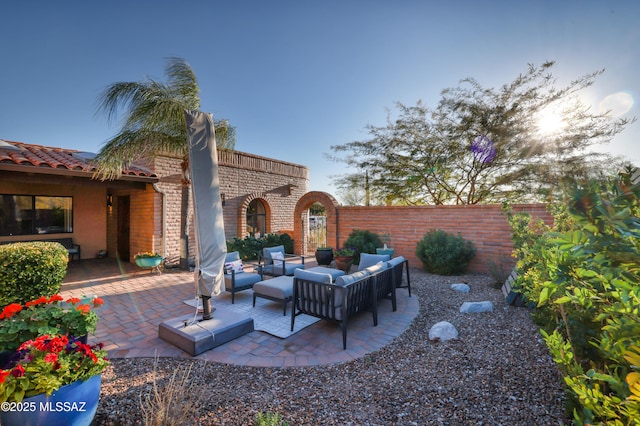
<point>295,77</point>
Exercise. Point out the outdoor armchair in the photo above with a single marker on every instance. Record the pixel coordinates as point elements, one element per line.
<point>274,261</point>
<point>235,278</point>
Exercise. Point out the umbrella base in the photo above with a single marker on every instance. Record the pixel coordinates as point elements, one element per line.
<point>204,335</point>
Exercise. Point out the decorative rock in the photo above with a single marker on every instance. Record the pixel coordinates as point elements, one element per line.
<point>461,287</point>
<point>473,307</point>
<point>443,331</point>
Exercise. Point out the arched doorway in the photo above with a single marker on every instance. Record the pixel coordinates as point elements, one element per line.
<point>302,219</point>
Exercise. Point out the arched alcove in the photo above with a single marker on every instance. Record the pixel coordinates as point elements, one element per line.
<point>330,204</point>
<point>242,212</point>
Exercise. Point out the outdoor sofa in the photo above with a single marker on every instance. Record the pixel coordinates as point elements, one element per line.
<point>318,295</point>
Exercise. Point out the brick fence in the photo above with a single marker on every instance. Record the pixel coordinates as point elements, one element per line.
<point>401,227</point>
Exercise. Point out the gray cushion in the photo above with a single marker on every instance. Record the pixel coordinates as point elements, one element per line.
<point>313,276</point>
<point>348,279</point>
<point>367,260</point>
<point>279,287</point>
<point>375,268</point>
<point>266,253</point>
<point>395,261</point>
<point>233,256</point>
<point>243,279</point>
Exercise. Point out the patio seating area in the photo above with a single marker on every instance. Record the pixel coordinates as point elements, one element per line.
<point>137,301</point>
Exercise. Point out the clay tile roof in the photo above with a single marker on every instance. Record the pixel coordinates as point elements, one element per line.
<point>44,157</point>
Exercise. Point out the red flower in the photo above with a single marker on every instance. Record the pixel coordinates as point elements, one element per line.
<point>73,300</point>
<point>18,371</point>
<point>84,308</point>
<point>3,375</point>
<point>11,310</point>
<point>98,302</point>
<point>38,301</point>
<point>52,358</point>
<point>56,298</point>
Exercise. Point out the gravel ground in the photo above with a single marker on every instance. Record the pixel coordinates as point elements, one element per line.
<point>498,372</point>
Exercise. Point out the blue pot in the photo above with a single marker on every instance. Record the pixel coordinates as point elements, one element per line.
<point>148,262</point>
<point>74,404</point>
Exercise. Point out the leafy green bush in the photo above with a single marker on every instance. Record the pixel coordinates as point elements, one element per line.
<point>249,247</point>
<point>30,270</point>
<point>444,254</point>
<point>362,241</point>
<point>583,273</point>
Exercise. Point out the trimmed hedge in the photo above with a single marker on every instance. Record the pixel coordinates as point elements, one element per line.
<point>444,254</point>
<point>249,247</point>
<point>31,269</point>
<point>362,241</point>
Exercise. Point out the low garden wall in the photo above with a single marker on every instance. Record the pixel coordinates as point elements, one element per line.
<point>403,226</point>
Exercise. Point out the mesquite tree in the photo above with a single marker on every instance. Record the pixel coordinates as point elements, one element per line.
<point>484,144</point>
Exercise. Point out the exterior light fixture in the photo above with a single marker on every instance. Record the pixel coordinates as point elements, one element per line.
<point>222,198</point>
<point>109,200</point>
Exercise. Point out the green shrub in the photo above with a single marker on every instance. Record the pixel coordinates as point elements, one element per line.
<point>249,247</point>
<point>583,273</point>
<point>362,241</point>
<point>30,270</point>
<point>444,254</point>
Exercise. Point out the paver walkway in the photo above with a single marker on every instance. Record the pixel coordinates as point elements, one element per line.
<point>137,301</point>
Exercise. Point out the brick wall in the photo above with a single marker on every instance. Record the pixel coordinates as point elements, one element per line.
<point>243,178</point>
<point>403,227</point>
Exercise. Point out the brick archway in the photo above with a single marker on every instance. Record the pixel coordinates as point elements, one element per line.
<point>242,212</point>
<point>331,209</point>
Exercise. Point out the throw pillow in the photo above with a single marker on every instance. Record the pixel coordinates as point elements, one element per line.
<point>235,266</point>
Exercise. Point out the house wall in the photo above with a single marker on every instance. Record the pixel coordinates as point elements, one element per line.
<point>89,215</point>
<point>243,178</point>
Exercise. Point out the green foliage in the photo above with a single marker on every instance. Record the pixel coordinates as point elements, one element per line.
<point>249,246</point>
<point>481,144</point>
<point>583,273</point>
<point>444,254</point>
<point>270,419</point>
<point>362,241</point>
<point>47,315</point>
<point>30,270</point>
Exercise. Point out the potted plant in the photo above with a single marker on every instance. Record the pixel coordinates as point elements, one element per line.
<point>55,379</point>
<point>344,258</point>
<point>148,260</point>
<point>324,255</point>
<point>47,315</point>
<point>50,374</point>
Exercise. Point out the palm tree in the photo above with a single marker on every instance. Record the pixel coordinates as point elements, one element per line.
<point>154,124</point>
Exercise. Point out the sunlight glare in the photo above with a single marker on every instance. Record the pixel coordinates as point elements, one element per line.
<point>550,122</point>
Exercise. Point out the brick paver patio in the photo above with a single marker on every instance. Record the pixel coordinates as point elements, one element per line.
<point>137,301</point>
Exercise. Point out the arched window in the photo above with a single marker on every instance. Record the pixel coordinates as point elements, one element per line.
<point>256,219</point>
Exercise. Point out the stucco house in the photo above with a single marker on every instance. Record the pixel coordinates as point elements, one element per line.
<point>50,192</point>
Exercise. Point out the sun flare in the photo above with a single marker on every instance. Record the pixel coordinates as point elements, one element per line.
<point>550,122</point>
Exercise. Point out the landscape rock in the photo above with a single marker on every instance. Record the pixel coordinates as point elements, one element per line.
<point>474,307</point>
<point>460,287</point>
<point>443,330</point>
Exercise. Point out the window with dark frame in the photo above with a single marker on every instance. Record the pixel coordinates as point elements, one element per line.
<point>35,214</point>
<point>256,219</point>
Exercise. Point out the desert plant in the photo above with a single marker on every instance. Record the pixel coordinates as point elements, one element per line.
<point>362,241</point>
<point>31,269</point>
<point>173,403</point>
<point>270,419</point>
<point>500,268</point>
<point>444,254</point>
<point>583,273</point>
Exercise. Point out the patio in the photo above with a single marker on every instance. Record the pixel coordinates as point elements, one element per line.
<point>137,301</point>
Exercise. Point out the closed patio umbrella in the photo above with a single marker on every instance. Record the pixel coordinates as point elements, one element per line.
<point>211,245</point>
